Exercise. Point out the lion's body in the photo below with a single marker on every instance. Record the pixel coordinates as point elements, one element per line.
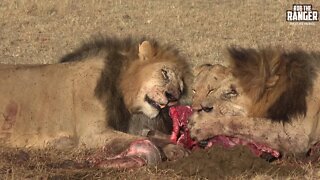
<point>42,103</point>
<point>274,100</point>
<point>80,102</point>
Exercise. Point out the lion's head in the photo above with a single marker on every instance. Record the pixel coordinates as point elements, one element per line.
<point>214,89</point>
<point>155,80</point>
<point>139,76</point>
<point>268,83</point>
<point>208,80</point>
<point>268,96</point>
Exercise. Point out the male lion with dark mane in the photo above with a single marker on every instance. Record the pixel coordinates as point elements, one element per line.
<point>266,95</point>
<point>93,95</point>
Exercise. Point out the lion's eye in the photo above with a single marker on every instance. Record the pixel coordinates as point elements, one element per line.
<point>164,74</point>
<point>230,94</point>
<point>233,93</point>
<point>210,91</point>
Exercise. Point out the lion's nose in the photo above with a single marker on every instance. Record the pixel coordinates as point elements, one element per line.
<point>171,97</point>
<point>202,107</point>
<point>206,106</point>
<point>207,109</point>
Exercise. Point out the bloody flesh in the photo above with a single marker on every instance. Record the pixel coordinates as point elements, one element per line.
<point>181,135</point>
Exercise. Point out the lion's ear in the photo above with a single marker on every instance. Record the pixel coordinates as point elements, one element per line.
<point>146,51</point>
<point>272,81</point>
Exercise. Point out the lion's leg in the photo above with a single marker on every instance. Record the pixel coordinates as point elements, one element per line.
<point>288,137</point>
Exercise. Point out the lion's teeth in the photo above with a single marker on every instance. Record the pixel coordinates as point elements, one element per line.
<point>162,106</point>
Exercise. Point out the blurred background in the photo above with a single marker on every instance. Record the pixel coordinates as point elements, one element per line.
<point>41,31</point>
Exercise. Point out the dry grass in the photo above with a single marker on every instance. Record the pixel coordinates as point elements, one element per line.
<point>41,31</point>
<point>54,164</point>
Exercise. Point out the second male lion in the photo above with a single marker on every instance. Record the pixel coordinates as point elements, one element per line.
<point>267,95</point>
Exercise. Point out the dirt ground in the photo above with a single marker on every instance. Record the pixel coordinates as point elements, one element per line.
<point>41,31</point>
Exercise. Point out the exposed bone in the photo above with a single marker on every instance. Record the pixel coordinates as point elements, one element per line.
<point>140,152</point>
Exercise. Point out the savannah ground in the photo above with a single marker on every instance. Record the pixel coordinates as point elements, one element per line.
<point>41,31</point>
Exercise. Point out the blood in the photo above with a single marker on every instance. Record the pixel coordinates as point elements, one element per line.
<point>144,152</point>
<point>140,153</point>
<point>9,117</point>
<point>181,135</point>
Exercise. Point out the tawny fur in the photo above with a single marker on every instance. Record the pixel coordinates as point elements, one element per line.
<point>120,80</point>
<point>86,100</point>
<point>269,95</point>
<point>293,71</point>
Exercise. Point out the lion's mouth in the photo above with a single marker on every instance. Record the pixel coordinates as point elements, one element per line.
<point>154,104</point>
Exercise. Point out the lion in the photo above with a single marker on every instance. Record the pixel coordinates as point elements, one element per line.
<point>89,99</point>
<point>267,95</point>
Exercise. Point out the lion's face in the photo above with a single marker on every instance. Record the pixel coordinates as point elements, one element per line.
<point>161,88</point>
<point>268,96</point>
<point>216,90</point>
<point>157,83</point>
